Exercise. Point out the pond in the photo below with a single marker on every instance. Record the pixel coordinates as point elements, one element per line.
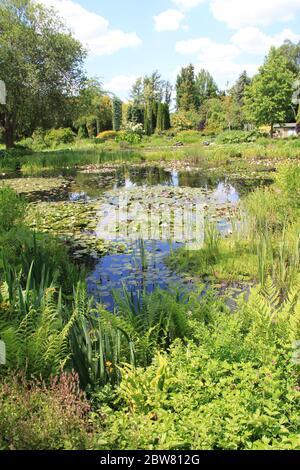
<point>150,210</point>
<point>131,196</point>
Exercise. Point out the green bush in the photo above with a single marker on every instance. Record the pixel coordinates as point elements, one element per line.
<point>185,120</point>
<point>56,137</point>
<point>34,415</point>
<point>107,135</point>
<point>38,138</point>
<point>189,137</point>
<point>237,137</point>
<point>288,180</point>
<point>133,134</point>
<point>234,387</point>
<point>11,209</point>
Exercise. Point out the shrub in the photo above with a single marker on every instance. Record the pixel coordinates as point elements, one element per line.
<point>36,416</point>
<point>185,120</point>
<point>56,137</point>
<point>132,134</point>
<point>188,137</point>
<point>237,137</point>
<point>11,209</point>
<point>38,138</point>
<point>107,135</point>
<point>233,387</point>
<point>288,180</point>
<point>36,340</point>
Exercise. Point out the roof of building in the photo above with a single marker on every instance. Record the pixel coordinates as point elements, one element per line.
<point>287,125</point>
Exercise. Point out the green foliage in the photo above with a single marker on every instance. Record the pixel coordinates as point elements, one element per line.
<point>163,117</point>
<point>237,137</point>
<point>268,98</point>
<point>288,180</point>
<point>99,341</point>
<point>154,320</point>
<point>107,135</point>
<point>56,137</point>
<point>35,415</point>
<point>188,137</point>
<point>11,209</point>
<point>42,66</point>
<point>38,138</point>
<point>132,134</point>
<point>183,121</point>
<point>117,113</point>
<point>206,87</point>
<point>93,109</point>
<point>36,341</point>
<point>237,93</point>
<point>186,91</point>
<point>234,387</point>
<point>213,116</point>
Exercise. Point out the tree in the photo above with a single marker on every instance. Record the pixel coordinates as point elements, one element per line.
<point>117,113</point>
<point>168,90</point>
<point>291,52</point>
<point>94,109</point>
<point>268,98</point>
<point>42,66</point>
<point>137,93</point>
<point>163,117</point>
<point>214,117</point>
<point>238,90</point>
<point>206,87</point>
<point>237,93</point>
<point>151,97</point>
<point>148,119</point>
<point>186,94</point>
<point>166,117</point>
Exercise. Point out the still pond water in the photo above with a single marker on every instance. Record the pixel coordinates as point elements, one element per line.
<point>143,267</point>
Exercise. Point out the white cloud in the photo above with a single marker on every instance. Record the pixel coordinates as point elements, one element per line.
<point>237,13</point>
<point>224,61</point>
<point>92,29</point>
<point>253,41</point>
<point>219,59</point>
<point>187,4</point>
<point>120,84</point>
<point>226,71</point>
<point>169,20</point>
<point>207,50</point>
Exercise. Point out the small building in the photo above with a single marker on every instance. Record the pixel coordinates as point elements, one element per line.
<point>285,130</point>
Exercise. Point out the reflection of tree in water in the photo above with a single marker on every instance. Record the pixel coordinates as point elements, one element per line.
<point>196,179</point>
<point>245,186</point>
<point>149,175</point>
<point>94,184</point>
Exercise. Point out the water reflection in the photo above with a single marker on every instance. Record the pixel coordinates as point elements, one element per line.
<point>141,270</point>
<point>128,177</point>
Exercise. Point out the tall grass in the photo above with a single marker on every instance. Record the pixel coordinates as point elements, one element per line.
<point>66,159</point>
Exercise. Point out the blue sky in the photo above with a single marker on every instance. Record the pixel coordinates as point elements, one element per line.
<point>127,39</point>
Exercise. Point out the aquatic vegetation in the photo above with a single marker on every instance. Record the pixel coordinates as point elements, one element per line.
<point>68,158</point>
<point>73,222</point>
<point>220,360</point>
<point>167,213</point>
<point>37,188</point>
